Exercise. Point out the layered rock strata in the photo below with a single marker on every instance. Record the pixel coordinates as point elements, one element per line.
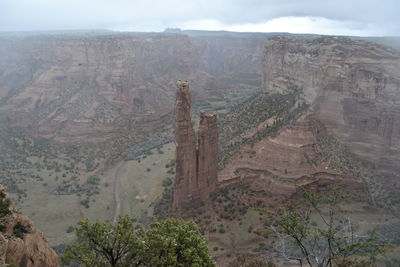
<point>349,131</point>
<point>71,88</point>
<point>196,169</point>
<point>352,86</point>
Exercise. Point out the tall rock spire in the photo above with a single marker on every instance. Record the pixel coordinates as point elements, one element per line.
<point>207,170</point>
<point>185,141</point>
<point>196,170</point>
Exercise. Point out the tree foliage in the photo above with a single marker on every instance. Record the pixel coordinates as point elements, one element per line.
<point>332,241</point>
<point>104,244</point>
<point>167,243</point>
<point>176,243</point>
<point>4,204</point>
<point>93,179</point>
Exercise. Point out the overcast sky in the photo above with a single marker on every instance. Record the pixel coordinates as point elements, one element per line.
<point>338,17</point>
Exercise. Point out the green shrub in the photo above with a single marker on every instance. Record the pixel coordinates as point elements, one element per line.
<point>167,182</point>
<point>4,205</point>
<point>93,179</point>
<point>3,228</point>
<point>85,203</point>
<point>19,230</point>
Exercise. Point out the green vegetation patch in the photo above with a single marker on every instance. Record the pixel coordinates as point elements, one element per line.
<point>233,201</point>
<point>19,230</point>
<point>4,204</point>
<point>93,179</point>
<point>282,108</point>
<point>166,243</point>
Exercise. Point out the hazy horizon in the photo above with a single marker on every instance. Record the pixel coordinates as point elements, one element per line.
<point>351,17</point>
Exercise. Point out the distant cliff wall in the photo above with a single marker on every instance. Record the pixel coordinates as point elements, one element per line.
<point>76,87</point>
<point>353,88</point>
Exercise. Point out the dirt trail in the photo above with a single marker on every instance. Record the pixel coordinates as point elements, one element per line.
<point>117,193</point>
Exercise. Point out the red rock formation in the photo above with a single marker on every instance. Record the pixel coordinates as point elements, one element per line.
<point>207,154</point>
<point>30,250</point>
<point>105,89</point>
<point>196,170</point>
<point>185,139</point>
<point>350,129</point>
<point>352,87</point>
<point>75,88</point>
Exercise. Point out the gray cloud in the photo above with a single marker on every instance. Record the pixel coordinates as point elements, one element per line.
<point>155,15</point>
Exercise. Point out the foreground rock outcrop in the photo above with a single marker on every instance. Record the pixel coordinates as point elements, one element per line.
<point>21,242</point>
<point>196,169</point>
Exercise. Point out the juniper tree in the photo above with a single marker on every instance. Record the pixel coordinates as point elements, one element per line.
<point>329,242</point>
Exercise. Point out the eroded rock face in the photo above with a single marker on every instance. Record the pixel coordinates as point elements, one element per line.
<point>196,169</point>
<point>74,87</point>
<point>185,139</point>
<point>207,154</point>
<point>111,92</point>
<point>23,244</point>
<point>90,87</point>
<point>349,132</point>
<point>352,86</point>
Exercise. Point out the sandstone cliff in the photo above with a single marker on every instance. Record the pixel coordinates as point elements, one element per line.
<point>76,87</point>
<point>287,148</point>
<point>71,88</point>
<point>353,87</point>
<point>21,242</point>
<point>347,132</point>
<point>195,169</point>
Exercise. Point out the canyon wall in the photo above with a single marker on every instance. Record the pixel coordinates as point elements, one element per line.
<point>330,113</point>
<point>87,87</point>
<point>195,168</point>
<point>235,62</point>
<point>353,88</point>
<point>73,87</point>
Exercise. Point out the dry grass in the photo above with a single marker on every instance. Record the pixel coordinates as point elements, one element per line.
<point>53,214</point>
